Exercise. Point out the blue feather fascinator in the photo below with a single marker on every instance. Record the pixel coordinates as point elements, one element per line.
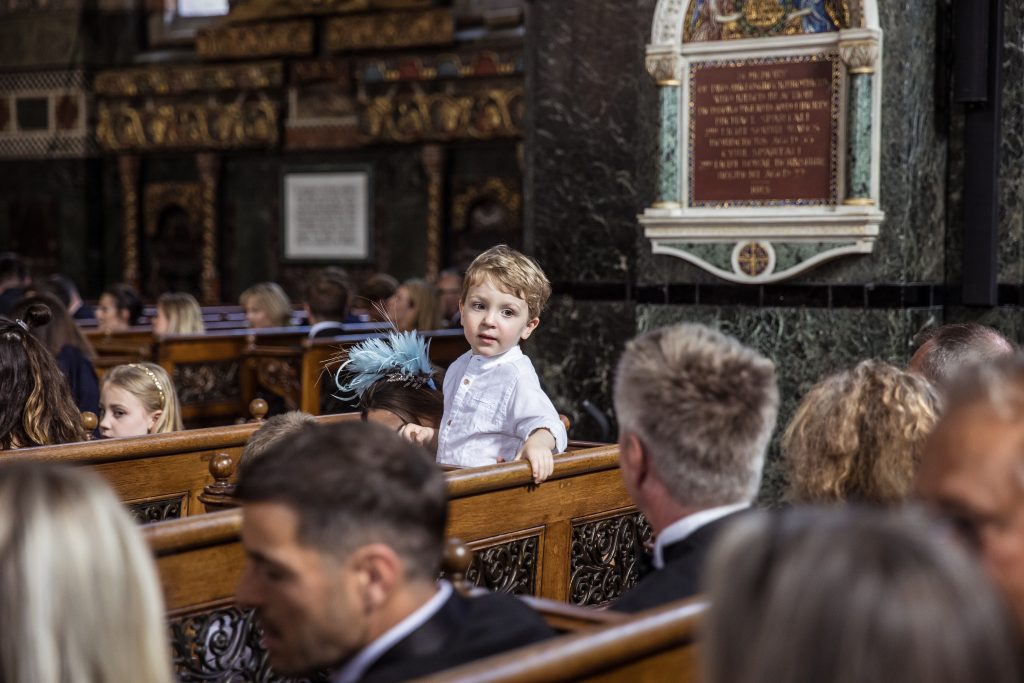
<point>396,357</point>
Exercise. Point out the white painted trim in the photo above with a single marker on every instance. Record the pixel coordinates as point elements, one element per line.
<point>864,247</point>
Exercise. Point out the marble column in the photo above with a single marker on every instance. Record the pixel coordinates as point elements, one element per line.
<point>859,57</point>
<point>665,71</point>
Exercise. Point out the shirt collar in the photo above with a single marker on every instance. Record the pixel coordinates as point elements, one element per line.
<point>358,665</point>
<point>478,362</point>
<point>323,324</point>
<point>681,528</point>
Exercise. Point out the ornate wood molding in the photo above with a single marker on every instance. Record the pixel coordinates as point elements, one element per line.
<point>150,511</point>
<point>503,190</point>
<point>180,80</point>
<point>208,164</point>
<point>128,172</point>
<point>507,567</point>
<point>484,63</point>
<point>123,127</point>
<point>605,557</point>
<point>256,40</point>
<point>438,116</point>
<point>390,30</point>
<point>214,382</point>
<point>433,164</point>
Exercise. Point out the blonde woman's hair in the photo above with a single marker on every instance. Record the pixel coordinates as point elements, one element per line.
<point>79,597</point>
<point>184,316</point>
<point>150,384</point>
<point>269,298</point>
<point>858,435</point>
<point>423,296</point>
<point>513,273</point>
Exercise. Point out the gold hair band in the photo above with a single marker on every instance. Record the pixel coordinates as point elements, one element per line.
<point>152,376</point>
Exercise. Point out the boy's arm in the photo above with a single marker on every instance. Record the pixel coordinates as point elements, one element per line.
<point>538,451</point>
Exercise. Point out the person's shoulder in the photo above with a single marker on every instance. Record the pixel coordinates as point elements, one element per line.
<point>675,581</point>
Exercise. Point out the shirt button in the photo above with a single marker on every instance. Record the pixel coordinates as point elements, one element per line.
<point>465,381</point>
<point>449,423</point>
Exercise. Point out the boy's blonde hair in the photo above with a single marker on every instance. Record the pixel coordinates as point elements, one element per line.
<point>184,316</point>
<point>513,273</point>
<point>150,384</point>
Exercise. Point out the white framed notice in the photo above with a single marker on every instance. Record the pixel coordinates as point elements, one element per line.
<point>327,214</point>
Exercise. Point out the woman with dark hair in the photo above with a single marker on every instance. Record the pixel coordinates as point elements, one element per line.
<point>393,380</point>
<point>120,307</point>
<point>36,408</point>
<point>69,347</point>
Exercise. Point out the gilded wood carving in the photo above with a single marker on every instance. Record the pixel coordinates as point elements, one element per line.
<point>390,30</point>
<point>124,127</point>
<point>188,79</point>
<point>256,40</point>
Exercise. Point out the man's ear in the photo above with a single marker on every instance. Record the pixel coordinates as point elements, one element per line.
<point>530,327</point>
<point>632,459</point>
<point>380,572</point>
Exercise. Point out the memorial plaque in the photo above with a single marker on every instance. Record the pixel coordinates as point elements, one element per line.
<point>763,132</point>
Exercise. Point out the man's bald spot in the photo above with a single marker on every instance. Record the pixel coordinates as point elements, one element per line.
<point>951,348</point>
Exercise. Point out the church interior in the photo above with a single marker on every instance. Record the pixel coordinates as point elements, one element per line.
<point>835,186</point>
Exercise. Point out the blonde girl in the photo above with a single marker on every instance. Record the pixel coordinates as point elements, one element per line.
<point>79,597</point>
<point>138,399</point>
<point>266,305</point>
<point>178,313</point>
<point>415,306</point>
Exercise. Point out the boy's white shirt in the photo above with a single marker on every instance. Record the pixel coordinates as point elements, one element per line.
<point>491,405</point>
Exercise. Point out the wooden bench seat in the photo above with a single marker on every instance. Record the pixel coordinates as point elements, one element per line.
<point>160,476</point>
<point>574,538</point>
<point>653,646</point>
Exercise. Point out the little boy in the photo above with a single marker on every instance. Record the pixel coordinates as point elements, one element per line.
<point>493,403</point>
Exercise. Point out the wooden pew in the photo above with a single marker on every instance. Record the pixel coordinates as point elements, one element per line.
<point>316,377</point>
<point>575,536</point>
<point>160,476</point>
<point>656,645</point>
<point>205,369</point>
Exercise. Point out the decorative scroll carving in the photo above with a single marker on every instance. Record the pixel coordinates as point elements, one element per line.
<point>859,55</point>
<point>281,376</point>
<point>506,568</point>
<point>223,645</point>
<point>665,69</point>
<point>128,170</point>
<point>256,40</point>
<point>251,10</point>
<point>157,510</point>
<point>486,63</point>
<point>390,30</point>
<point>206,382</point>
<point>504,191</point>
<point>605,557</point>
<point>189,79</point>
<point>209,179</point>
<point>335,71</point>
<point>123,127</point>
<point>438,116</point>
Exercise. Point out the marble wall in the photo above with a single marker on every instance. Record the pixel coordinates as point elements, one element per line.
<point>593,111</point>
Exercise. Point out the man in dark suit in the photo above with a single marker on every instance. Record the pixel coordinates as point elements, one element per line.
<point>327,297</point>
<point>696,410</point>
<point>343,526</point>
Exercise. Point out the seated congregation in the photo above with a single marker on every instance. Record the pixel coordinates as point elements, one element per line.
<point>312,546</point>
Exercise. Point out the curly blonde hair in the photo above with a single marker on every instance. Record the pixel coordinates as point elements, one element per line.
<point>513,273</point>
<point>858,435</point>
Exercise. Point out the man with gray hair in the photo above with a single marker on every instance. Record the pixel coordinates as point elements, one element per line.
<point>946,350</point>
<point>696,410</point>
<point>972,469</point>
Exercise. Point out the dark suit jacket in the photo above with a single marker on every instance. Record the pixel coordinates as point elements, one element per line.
<point>331,329</point>
<point>680,577</point>
<point>463,630</point>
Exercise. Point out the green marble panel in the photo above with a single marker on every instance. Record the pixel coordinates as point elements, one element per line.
<point>806,345</point>
<point>668,169</point>
<point>789,254</point>
<point>858,140</point>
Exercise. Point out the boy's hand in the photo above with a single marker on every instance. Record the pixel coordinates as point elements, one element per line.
<point>537,451</point>
<point>424,436</point>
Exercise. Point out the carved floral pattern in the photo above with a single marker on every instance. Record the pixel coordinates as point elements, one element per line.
<point>606,558</point>
<point>157,510</point>
<point>506,568</point>
<point>223,645</point>
<point>390,30</point>
<point>187,126</point>
<point>199,383</point>
<point>416,117</point>
<point>188,79</point>
<point>256,40</point>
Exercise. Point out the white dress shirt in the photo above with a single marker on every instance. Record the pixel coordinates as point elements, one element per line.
<point>681,528</point>
<point>491,405</point>
<point>357,666</point>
